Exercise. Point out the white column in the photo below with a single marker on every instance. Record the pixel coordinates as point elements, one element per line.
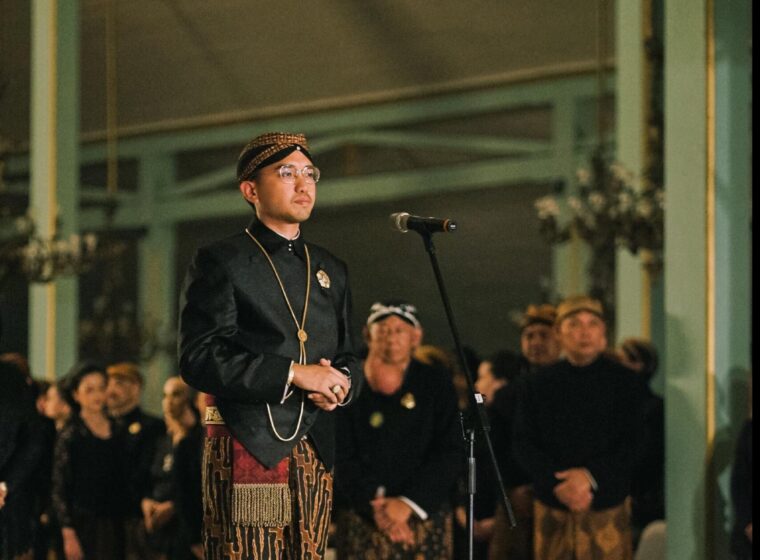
<point>54,177</point>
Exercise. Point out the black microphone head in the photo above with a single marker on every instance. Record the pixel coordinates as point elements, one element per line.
<point>398,221</point>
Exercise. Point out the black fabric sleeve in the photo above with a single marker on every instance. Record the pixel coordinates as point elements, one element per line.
<point>354,486</point>
<point>213,356</point>
<point>435,479</point>
<point>188,484</point>
<point>614,469</point>
<point>526,440</point>
<point>62,476</point>
<point>346,355</point>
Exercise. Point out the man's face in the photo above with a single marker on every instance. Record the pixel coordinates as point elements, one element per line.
<point>175,399</point>
<point>539,344</point>
<point>393,340</point>
<point>582,336</point>
<point>276,201</point>
<point>122,393</point>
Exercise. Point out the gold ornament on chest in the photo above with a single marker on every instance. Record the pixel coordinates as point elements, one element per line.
<point>408,402</point>
<point>323,278</point>
<point>376,419</point>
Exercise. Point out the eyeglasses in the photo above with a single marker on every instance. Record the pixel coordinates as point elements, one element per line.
<point>288,173</point>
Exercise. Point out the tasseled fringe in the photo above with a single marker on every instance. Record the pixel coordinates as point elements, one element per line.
<point>261,505</point>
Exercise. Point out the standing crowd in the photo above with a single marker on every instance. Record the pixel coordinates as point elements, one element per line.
<point>280,439</point>
<point>94,476</point>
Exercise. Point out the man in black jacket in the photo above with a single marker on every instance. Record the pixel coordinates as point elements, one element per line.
<point>141,431</point>
<point>264,330</point>
<point>401,448</point>
<point>575,433</point>
<point>22,446</point>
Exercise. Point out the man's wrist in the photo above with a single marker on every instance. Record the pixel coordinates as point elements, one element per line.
<point>291,374</point>
<point>347,372</point>
<point>416,509</point>
<point>591,479</point>
<point>288,382</point>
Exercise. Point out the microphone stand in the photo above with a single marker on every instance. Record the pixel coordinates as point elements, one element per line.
<point>478,420</point>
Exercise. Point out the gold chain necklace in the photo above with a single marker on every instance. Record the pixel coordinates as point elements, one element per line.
<point>301,332</point>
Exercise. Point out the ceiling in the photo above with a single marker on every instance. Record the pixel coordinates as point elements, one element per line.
<point>190,63</point>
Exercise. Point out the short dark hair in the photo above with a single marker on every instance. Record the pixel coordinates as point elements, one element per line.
<point>74,377</point>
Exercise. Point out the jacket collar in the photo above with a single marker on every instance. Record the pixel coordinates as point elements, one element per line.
<point>274,242</point>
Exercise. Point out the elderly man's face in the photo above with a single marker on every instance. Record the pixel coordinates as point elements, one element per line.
<point>539,344</point>
<point>393,340</point>
<point>583,336</point>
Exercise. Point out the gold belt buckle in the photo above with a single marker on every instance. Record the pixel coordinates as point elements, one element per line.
<point>213,416</point>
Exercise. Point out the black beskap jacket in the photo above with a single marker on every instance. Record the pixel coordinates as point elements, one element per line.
<point>237,336</point>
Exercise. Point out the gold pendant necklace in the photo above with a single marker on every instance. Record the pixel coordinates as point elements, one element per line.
<point>300,329</point>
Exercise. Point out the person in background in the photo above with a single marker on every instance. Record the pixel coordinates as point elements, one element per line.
<point>171,503</point>
<point>89,492</point>
<point>438,357</point>
<point>40,389</point>
<point>494,376</point>
<point>22,364</point>
<point>57,409</point>
<point>575,432</point>
<point>43,537</point>
<point>399,448</point>
<point>140,431</point>
<point>539,347</point>
<point>648,478</point>
<point>21,446</point>
<point>741,495</point>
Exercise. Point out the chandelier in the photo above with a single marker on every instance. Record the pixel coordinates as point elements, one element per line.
<point>42,259</point>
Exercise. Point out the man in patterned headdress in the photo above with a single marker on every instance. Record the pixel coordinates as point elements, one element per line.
<point>575,432</point>
<point>400,448</point>
<point>539,347</point>
<point>264,331</point>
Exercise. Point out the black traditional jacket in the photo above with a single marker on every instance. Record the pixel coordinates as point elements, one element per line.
<point>410,443</point>
<point>584,417</point>
<point>237,336</point>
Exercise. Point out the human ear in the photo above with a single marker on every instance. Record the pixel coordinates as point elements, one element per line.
<point>248,190</point>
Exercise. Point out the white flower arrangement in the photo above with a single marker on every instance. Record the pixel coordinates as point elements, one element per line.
<point>613,208</point>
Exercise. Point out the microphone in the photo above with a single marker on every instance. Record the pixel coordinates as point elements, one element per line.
<point>404,221</point>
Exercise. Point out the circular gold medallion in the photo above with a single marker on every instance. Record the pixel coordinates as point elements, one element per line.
<point>302,336</point>
<point>376,419</point>
<point>134,428</point>
<point>408,402</point>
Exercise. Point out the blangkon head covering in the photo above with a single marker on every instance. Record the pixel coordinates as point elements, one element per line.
<point>269,148</point>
